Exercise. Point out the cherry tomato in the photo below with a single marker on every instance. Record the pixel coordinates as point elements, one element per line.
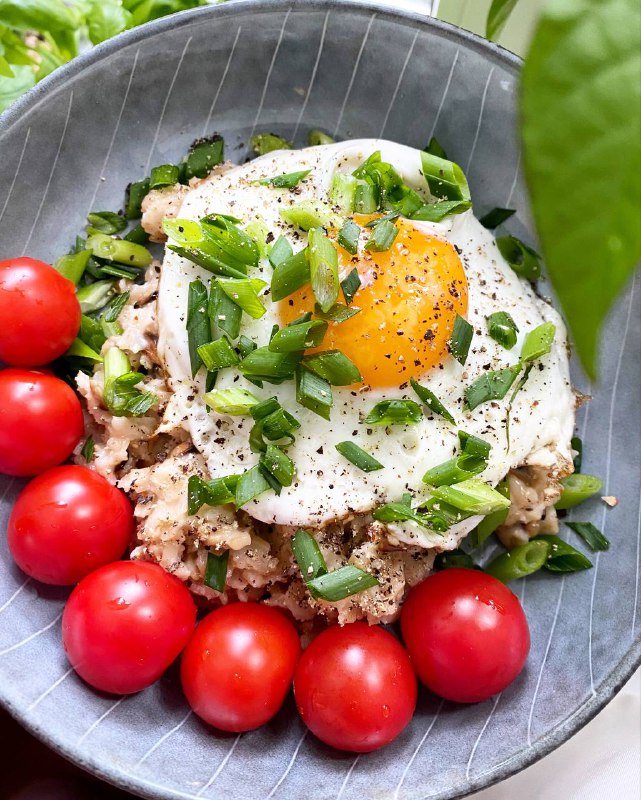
<point>239,664</point>
<point>466,633</point>
<point>355,687</point>
<point>39,311</point>
<point>68,522</point>
<point>40,421</point>
<point>124,624</point>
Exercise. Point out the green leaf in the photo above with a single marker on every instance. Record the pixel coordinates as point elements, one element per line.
<point>106,18</point>
<point>154,9</point>
<point>39,15</point>
<point>497,16</point>
<point>5,68</point>
<point>582,72</point>
<point>13,88</point>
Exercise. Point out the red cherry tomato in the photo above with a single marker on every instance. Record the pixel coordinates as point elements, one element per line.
<point>40,421</point>
<point>124,624</point>
<point>39,311</point>
<point>68,522</point>
<point>466,633</point>
<point>355,687</point>
<point>239,664</point>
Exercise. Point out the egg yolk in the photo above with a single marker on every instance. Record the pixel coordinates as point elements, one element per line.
<point>409,298</point>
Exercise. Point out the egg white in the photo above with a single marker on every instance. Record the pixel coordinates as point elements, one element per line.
<point>327,487</point>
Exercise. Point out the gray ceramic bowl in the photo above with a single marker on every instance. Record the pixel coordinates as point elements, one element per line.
<point>355,70</point>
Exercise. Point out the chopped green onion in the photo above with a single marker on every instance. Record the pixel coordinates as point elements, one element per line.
<point>198,327</point>
<point>474,446</point>
<point>384,188</point>
<point>119,393</point>
<point>337,313</point>
<point>455,470</point>
<point>106,222</point>
<point>316,137</point>
<point>348,237</point>
<point>287,181</point>
<point>218,355</point>
<point>382,238</point>
<point>394,412</point>
<point>461,339</point>
<point>136,193</point>
<point>88,449</point>
<point>137,235</point>
<point>495,217</point>
<point>577,446</point>
<point>73,265</point>
<point>280,252</point>
<point>472,496</point>
<point>350,285</point>
<point>308,555</point>
<point>299,337</point>
<point>365,199</point>
<point>263,143</point>
<point>119,272</point>
<point>259,232</point>
<point>263,364</point>
<point>562,557</point>
<point>444,178</point>
<point>245,294</point>
<point>491,386</point>
<point>538,342</point>
<point>92,332</point>
<point>454,559</point>
<point>217,492</point>
<point>314,393</point>
<point>251,484</point>
<point>118,250</point>
<point>352,452</point>
<point>238,248</point>
<point>491,522</point>
<point>502,329</point>
<point>335,367</point>
<point>216,571</point>
<point>164,175</point>
<point>431,401</point>
<point>224,314</point>
<point>591,535</point>
<point>525,261</point>
<point>80,349</point>
<point>205,260</point>
<point>403,512</point>
<point>436,212</point>
<point>576,489</point>
<point>204,155</point>
<point>435,149</point>
<point>246,346</point>
<point>115,307</point>
<point>278,464</point>
<point>95,296</point>
<point>519,562</point>
<point>311,214</point>
<point>342,192</point>
<point>232,401</point>
<point>323,269</point>
<point>290,275</point>
<point>341,583</point>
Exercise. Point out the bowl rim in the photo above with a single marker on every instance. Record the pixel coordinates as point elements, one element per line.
<point>613,681</point>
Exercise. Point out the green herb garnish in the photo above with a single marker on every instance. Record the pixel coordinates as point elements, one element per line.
<point>461,339</point>
<point>502,329</point>
<point>352,452</point>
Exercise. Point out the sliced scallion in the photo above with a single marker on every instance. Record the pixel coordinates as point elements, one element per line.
<point>323,269</point>
<point>461,339</point>
<point>436,212</point>
<point>232,401</point>
<point>203,156</point>
<point>164,175</point>
<point>120,394</point>
<point>136,193</point>
<point>335,367</point>
<point>352,452</point>
<point>562,557</point>
<point>502,329</point>
<point>115,307</point>
<point>341,583</point>
<point>496,217</point>
<point>591,535</point>
<point>538,342</point>
<point>314,393</point>
<point>263,364</point>
<point>577,446</point>
<point>472,496</point>
<point>216,492</point>
<point>73,265</point>
<point>198,327</point>
<point>224,314</point>
<point>316,137</point>
<point>474,446</point>
<point>520,561</point>
<point>95,296</point>
<point>263,143</point>
<point>491,522</point>
<point>280,251</point>
<point>218,355</point>
<point>431,401</point>
<point>454,559</point>
<point>444,178</point>
<point>245,294</point>
<point>350,285</point>
<point>383,236</point>
<point>308,555</point>
<point>287,181</point>
<point>251,484</point>
<point>238,248</point>
<point>299,337</point>
<point>435,148</point>
<point>278,464</point>
<point>311,214</point>
<point>455,470</point>
<point>106,222</point>
<point>491,386</point>
<point>337,313</point>
<point>394,412</point>
<point>342,192</point>
<point>348,237</point>
<point>88,448</point>
<point>216,571</point>
<point>137,235</point>
<point>577,488</point>
<point>290,275</point>
<point>118,250</point>
<point>525,261</point>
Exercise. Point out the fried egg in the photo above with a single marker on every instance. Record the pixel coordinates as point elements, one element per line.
<point>410,296</point>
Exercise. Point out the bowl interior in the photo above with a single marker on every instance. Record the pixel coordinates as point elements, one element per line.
<point>354,71</point>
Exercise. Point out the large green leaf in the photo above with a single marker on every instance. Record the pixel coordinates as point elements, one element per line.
<point>497,16</point>
<point>12,88</point>
<point>581,129</point>
<point>106,18</point>
<point>38,15</point>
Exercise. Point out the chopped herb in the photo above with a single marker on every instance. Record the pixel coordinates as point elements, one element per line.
<point>198,327</point>
<point>217,355</point>
<point>136,193</point>
<point>299,337</point>
<point>203,156</point>
<point>264,365</point>
<point>461,339</point>
<point>394,412</point>
<point>251,484</point>
<point>431,401</point>
<point>348,237</point>
<point>383,236</point>
<point>491,386</point>
<point>287,181</point>
<point>472,496</point>
<point>496,217</point>
<point>245,294</point>
<point>335,367</point>
<point>216,571</point>
<point>525,261</point>
<point>562,557</point>
<point>502,329</point>
<point>232,401</point>
<point>520,561</point>
<point>278,464</point>
<point>263,143</point>
<point>436,212</point>
<point>290,275</point>
<point>164,175</point>
<point>308,555</point>
<point>435,149</point>
<point>280,251</point>
<point>352,452</point>
<point>350,285</point>
<point>119,392</point>
<point>538,342</point>
<point>316,137</point>
<point>341,583</point>
<point>106,222</point>
<point>337,313</point>
<point>444,178</point>
<point>323,269</point>
<point>577,488</point>
<point>591,535</point>
<point>314,393</point>
<point>88,449</point>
